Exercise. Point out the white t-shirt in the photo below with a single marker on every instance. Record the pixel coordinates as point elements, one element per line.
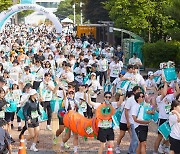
<point>46,92</point>
<point>80,95</point>
<point>164,105</point>
<point>38,73</point>
<point>128,75</point>
<point>27,78</point>
<point>139,79</point>
<point>136,111</point>
<point>128,105</point>
<point>134,61</point>
<point>115,69</point>
<point>175,127</point>
<point>95,85</point>
<point>79,70</point>
<point>60,94</point>
<point>103,65</point>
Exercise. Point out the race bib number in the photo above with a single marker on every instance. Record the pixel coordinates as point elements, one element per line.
<point>115,72</point>
<point>89,130</point>
<point>34,114</point>
<point>2,114</point>
<point>84,106</point>
<point>104,67</point>
<point>167,109</point>
<point>105,124</point>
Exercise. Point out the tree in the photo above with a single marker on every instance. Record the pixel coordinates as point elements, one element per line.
<point>94,11</point>
<point>173,10</point>
<point>147,18</point>
<point>5,4</point>
<point>64,9</point>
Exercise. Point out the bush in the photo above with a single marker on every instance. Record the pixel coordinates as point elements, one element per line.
<point>155,53</point>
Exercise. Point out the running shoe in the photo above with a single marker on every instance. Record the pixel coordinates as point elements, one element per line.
<point>55,140</point>
<point>161,148</point>
<point>48,128</point>
<point>117,150</point>
<point>33,148</point>
<point>66,146</point>
<point>166,150</point>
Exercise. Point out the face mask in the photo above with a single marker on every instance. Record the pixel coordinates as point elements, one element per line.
<point>107,102</point>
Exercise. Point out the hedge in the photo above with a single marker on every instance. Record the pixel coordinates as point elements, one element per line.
<point>155,53</point>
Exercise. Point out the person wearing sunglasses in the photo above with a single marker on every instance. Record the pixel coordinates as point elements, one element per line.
<point>70,104</point>
<point>105,133</point>
<point>141,126</point>
<point>46,89</point>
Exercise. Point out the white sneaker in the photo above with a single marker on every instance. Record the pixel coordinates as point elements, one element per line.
<point>48,128</point>
<point>33,148</point>
<point>118,150</point>
<point>161,148</point>
<point>166,150</point>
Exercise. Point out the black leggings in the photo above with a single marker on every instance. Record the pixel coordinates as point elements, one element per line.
<point>13,114</point>
<point>47,108</point>
<point>103,74</point>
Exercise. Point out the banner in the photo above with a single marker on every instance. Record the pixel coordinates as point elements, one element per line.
<point>5,15</point>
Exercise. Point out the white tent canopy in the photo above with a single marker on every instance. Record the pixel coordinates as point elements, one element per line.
<point>67,20</point>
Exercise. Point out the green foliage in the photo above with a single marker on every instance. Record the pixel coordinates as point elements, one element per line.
<point>5,4</point>
<point>147,18</point>
<point>174,10</point>
<point>23,14</point>
<point>94,11</point>
<point>64,9</point>
<point>155,53</point>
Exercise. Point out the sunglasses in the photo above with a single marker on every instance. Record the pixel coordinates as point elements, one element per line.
<point>142,96</point>
<point>108,97</point>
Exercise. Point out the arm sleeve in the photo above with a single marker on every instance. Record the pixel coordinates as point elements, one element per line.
<point>25,109</point>
<point>38,109</point>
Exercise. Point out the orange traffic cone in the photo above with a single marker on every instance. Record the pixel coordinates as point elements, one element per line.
<point>22,148</point>
<point>110,150</point>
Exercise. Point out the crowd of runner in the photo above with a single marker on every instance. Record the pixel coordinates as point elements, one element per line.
<point>37,65</point>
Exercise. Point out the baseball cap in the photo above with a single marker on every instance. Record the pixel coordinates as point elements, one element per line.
<point>32,92</point>
<point>170,91</point>
<point>93,74</point>
<point>150,73</point>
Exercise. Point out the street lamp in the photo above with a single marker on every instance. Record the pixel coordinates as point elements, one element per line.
<point>74,7</point>
<point>81,13</point>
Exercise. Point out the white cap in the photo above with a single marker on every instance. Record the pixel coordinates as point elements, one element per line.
<point>93,74</point>
<point>15,82</point>
<point>150,73</point>
<point>32,92</point>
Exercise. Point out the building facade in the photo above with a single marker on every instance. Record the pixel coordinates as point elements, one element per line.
<point>51,5</point>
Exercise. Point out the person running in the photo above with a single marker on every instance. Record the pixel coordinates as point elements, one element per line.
<point>105,133</point>
<point>31,113</point>
<point>70,104</point>
<point>24,98</point>
<point>141,126</point>
<point>60,94</point>
<point>127,122</point>
<point>46,89</point>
